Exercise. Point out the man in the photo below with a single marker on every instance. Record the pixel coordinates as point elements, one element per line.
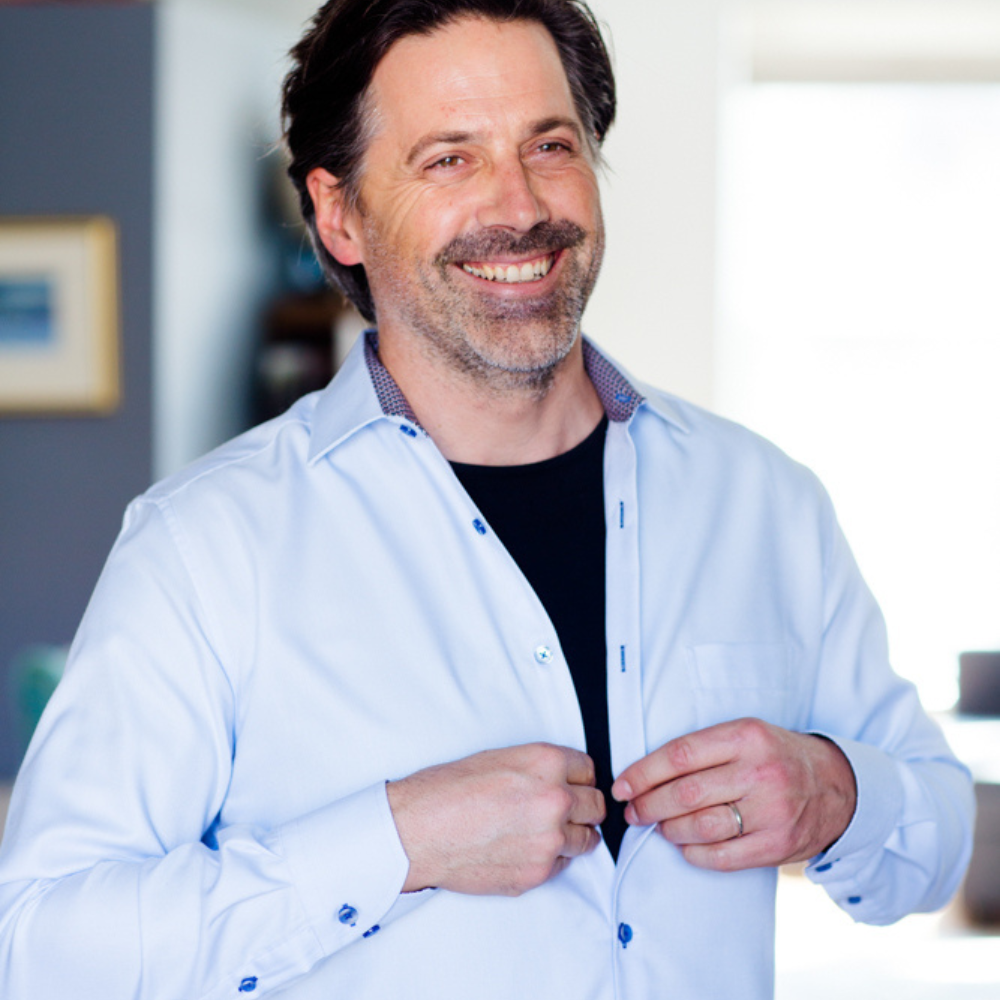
<point>323,730</point>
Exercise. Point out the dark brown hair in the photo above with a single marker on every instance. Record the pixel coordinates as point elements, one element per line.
<point>326,116</point>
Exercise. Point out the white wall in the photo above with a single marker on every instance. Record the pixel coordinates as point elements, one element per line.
<point>654,307</point>
<point>220,64</point>
<point>876,39</point>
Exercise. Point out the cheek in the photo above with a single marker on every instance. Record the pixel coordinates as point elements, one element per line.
<point>573,199</point>
<point>415,220</point>
<point>586,198</point>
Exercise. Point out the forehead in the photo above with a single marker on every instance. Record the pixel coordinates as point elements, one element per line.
<point>469,75</point>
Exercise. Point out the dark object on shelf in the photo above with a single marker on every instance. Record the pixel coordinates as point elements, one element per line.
<point>979,683</point>
<point>981,891</point>
<point>298,351</point>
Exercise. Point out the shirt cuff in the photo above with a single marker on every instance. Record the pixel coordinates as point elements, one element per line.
<point>348,865</point>
<point>842,868</point>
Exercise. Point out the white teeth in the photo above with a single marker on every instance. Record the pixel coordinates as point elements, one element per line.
<point>514,273</point>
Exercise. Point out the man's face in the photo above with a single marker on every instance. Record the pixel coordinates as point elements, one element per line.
<point>480,227</point>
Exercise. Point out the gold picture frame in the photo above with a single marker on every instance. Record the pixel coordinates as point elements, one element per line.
<point>59,322</point>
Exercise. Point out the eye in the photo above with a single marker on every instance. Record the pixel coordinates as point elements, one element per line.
<point>448,162</point>
<point>553,146</point>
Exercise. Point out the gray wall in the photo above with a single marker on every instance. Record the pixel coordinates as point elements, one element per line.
<point>76,137</point>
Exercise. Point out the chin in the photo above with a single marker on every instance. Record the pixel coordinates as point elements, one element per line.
<point>524,354</point>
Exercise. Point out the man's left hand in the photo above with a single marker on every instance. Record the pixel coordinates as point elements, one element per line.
<point>794,794</point>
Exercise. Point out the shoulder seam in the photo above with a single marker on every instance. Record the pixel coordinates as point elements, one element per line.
<point>160,491</point>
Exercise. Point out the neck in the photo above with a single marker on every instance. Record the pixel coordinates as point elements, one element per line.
<point>508,422</point>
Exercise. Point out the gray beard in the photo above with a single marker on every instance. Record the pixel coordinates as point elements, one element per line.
<point>510,369</point>
<point>501,347</point>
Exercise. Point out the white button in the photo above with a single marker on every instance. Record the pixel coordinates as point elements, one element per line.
<point>543,654</point>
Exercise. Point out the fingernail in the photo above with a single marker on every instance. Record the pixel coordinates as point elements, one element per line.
<point>630,816</point>
<point>622,791</point>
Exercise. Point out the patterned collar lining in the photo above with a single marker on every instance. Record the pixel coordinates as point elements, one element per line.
<point>618,396</point>
<point>390,396</point>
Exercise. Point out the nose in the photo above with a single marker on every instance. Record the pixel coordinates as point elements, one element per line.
<point>511,199</point>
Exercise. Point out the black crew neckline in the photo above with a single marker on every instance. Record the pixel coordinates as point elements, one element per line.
<point>593,440</point>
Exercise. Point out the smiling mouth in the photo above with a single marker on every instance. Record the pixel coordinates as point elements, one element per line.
<point>512,274</point>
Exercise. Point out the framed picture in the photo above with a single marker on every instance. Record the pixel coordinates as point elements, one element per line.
<point>58,315</point>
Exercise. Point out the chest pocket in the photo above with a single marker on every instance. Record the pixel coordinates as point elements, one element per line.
<point>737,680</point>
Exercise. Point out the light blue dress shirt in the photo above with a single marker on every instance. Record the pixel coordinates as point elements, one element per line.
<point>318,607</point>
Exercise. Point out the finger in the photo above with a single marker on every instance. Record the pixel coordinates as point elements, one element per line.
<point>688,754</point>
<point>579,768</point>
<point>688,794</point>
<point>707,826</point>
<point>732,855</point>
<point>588,807</point>
<point>578,839</point>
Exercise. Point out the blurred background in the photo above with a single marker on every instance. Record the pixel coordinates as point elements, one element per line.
<point>802,209</point>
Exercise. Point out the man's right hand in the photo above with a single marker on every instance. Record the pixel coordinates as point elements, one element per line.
<point>497,823</point>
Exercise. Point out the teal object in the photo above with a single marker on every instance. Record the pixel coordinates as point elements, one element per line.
<point>35,672</point>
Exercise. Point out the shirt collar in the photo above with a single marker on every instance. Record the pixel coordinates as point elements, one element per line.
<point>390,396</point>
<point>363,392</point>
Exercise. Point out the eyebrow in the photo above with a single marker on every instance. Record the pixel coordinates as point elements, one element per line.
<point>557,122</point>
<point>458,138</point>
<point>444,138</point>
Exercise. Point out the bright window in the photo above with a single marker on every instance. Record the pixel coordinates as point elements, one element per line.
<point>861,333</point>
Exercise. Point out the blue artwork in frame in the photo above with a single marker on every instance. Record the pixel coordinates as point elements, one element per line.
<point>58,315</point>
<point>27,313</point>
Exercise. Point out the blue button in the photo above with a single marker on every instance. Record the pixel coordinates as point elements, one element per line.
<point>623,397</point>
<point>348,915</point>
<point>624,934</point>
<point>479,526</point>
<point>824,868</point>
<point>543,654</point>
<point>248,985</point>
<point>854,900</point>
<point>408,430</point>
<point>371,931</point>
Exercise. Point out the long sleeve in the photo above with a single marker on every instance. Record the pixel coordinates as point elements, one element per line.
<point>910,839</point>
<point>113,881</point>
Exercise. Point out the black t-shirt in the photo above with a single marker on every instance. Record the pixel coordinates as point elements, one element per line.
<point>550,517</point>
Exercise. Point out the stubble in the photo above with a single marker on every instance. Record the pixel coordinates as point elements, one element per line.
<point>501,346</point>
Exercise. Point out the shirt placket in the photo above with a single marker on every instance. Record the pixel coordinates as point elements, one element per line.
<point>628,738</point>
<point>627,729</point>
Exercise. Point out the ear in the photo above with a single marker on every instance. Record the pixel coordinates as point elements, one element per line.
<point>336,225</point>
